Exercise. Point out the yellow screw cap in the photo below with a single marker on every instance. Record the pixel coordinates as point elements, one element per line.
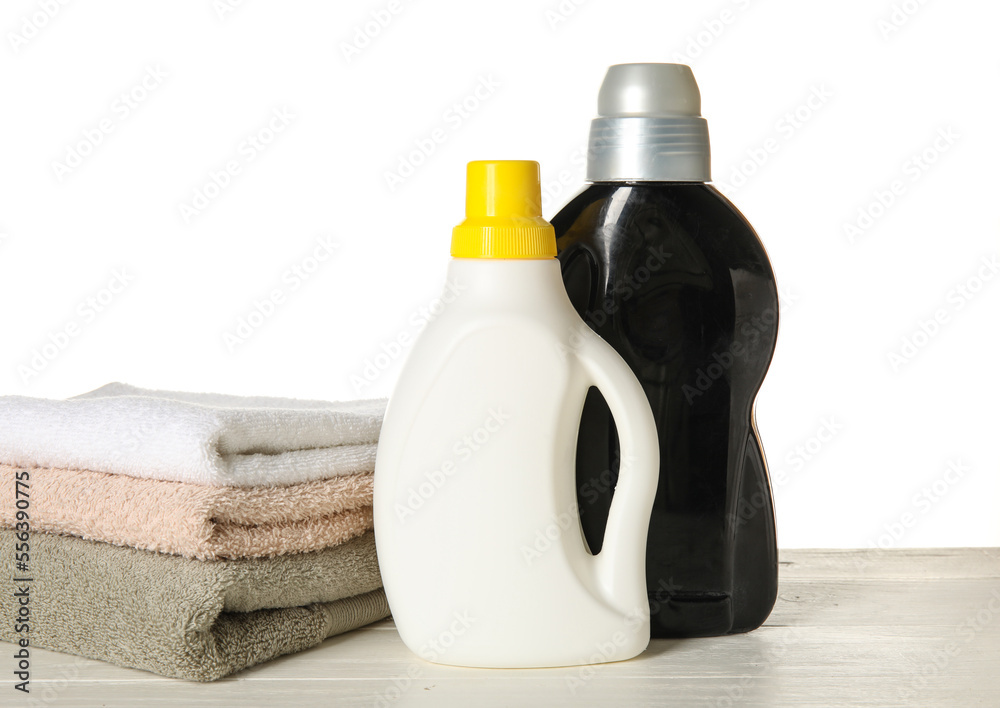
<point>503,213</point>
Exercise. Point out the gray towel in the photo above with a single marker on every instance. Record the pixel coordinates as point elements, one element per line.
<point>198,620</point>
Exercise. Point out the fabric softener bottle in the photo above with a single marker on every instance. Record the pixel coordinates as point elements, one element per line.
<point>481,551</point>
<point>667,270</point>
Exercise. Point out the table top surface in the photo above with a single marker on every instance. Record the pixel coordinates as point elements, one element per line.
<point>850,628</point>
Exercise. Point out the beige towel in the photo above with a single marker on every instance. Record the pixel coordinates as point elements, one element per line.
<point>189,619</point>
<point>190,519</point>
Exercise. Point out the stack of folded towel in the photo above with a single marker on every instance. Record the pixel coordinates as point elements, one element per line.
<point>192,535</point>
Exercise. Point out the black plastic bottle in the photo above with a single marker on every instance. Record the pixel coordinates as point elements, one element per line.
<point>666,269</point>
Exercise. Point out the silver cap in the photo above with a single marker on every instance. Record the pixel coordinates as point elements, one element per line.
<point>649,127</point>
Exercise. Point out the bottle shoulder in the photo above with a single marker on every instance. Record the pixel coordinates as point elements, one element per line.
<point>694,206</point>
<point>615,225</point>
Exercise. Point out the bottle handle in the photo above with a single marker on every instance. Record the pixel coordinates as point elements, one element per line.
<point>621,563</point>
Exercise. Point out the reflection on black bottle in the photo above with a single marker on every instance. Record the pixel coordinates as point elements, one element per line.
<point>674,278</point>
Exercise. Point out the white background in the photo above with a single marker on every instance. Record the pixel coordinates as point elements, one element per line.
<point>886,79</point>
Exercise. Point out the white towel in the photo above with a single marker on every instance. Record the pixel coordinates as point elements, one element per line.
<point>202,438</point>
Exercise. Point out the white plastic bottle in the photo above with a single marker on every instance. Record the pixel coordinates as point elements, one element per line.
<point>478,533</point>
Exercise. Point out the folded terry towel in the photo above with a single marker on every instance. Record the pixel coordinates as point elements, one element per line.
<point>191,519</point>
<point>184,618</point>
<point>204,438</point>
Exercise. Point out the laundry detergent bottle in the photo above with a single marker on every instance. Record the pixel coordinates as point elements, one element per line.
<point>666,269</point>
<point>482,554</point>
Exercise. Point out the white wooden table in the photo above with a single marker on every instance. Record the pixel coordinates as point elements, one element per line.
<point>850,628</point>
